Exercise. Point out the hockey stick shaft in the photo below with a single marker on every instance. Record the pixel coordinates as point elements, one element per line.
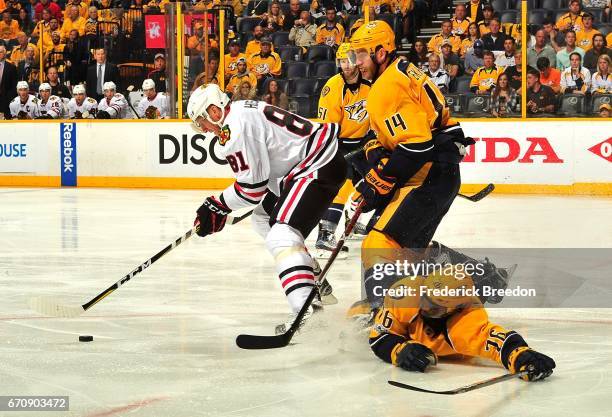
<point>466,388</point>
<point>246,341</point>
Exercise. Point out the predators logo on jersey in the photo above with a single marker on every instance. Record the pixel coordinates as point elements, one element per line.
<point>357,111</point>
<point>345,105</point>
<point>225,135</point>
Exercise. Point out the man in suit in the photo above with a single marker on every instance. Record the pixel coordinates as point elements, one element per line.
<point>99,73</point>
<point>8,83</point>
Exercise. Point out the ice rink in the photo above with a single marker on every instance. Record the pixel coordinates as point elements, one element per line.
<point>164,343</point>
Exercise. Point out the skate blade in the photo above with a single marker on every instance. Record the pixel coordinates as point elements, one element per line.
<point>325,254</point>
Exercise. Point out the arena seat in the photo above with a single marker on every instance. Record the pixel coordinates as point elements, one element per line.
<point>598,100</point>
<point>324,69</point>
<point>296,69</point>
<point>572,105</point>
<point>319,53</point>
<point>477,105</point>
<point>289,53</point>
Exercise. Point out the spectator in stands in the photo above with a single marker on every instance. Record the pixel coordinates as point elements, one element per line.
<point>592,55</point>
<point>244,92</point>
<point>540,98</point>
<point>474,10</point>
<point>473,33</point>
<point>494,40</point>
<point>25,22</point>
<point>474,57</point>
<point>436,41</point>
<point>197,42</point>
<point>8,83</point>
<point>274,19</point>
<point>55,54</point>
<point>12,7</point>
<point>242,75</point>
<point>266,63</point>
<point>330,33</point>
<point>57,88</point>
<point>254,45</point>
<point>437,74</point>
<point>553,37</point>
<point>549,76</point>
<point>540,49</point>
<point>231,60</point>
<point>460,22</point>
<point>76,58</point>
<point>42,25</point>
<point>485,78</point>
<point>83,8</point>
<point>487,15</point>
<point>9,27</point>
<point>275,96</point>
<point>210,75</point>
<point>515,72</point>
<point>572,20</point>
<point>418,55</point>
<point>575,79</point>
<point>601,82</point>
<point>450,61</point>
<point>158,74</point>
<point>609,39</point>
<point>91,24</point>
<point>563,56</point>
<point>73,21</point>
<point>292,16</point>
<point>504,99</point>
<point>29,68</point>
<point>584,38</point>
<point>99,73</point>
<point>505,58</point>
<point>18,53</point>
<point>303,32</point>
<point>605,110</point>
<point>54,9</point>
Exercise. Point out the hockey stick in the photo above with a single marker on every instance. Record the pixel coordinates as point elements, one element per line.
<point>480,194</point>
<point>51,307</point>
<point>466,388</point>
<point>473,198</point>
<point>247,341</point>
<point>129,90</point>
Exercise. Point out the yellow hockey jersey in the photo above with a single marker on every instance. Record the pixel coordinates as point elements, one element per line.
<point>405,106</point>
<point>347,107</point>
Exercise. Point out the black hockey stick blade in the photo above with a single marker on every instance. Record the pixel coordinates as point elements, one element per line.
<point>480,194</point>
<point>461,390</point>
<point>248,341</point>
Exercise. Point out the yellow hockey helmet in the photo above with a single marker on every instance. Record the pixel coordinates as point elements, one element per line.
<point>342,52</point>
<point>374,34</point>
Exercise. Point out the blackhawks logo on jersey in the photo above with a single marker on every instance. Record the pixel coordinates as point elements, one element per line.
<point>225,135</point>
<point>357,111</point>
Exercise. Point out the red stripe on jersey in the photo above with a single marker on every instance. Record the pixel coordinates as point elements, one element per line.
<point>296,191</point>
<point>312,154</point>
<point>309,277</point>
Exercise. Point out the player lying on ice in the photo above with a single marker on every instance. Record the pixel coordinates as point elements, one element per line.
<point>286,166</point>
<point>412,330</point>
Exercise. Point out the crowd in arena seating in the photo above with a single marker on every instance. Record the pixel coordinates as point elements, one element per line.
<point>283,52</point>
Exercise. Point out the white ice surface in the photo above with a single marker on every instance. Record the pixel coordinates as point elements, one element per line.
<point>164,343</point>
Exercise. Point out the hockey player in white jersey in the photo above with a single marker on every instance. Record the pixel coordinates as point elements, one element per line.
<point>49,106</point>
<point>80,106</point>
<point>25,105</point>
<point>154,105</point>
<point>113,105</point>
<point>287,166</point>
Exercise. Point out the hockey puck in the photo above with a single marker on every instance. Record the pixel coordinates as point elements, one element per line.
<point>85,338</point>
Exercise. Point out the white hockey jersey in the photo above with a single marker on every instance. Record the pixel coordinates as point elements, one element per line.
<point>89,105</point>
<point>116,106</point>
<point>160,102</point>
<point>30,107</point>
<point>267,147</point>
<point>53,107</point>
